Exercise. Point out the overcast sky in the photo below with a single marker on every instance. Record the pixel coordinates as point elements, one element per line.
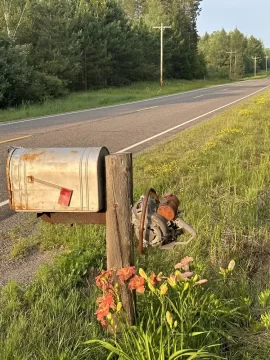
<point>250,17</point>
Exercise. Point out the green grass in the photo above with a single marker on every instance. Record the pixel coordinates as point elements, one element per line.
<point>99,98</point>
<point>220,171</point>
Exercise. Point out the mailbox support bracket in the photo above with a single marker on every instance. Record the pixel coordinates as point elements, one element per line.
<point>74,218</point>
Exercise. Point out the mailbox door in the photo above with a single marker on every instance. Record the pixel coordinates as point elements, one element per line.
<point>57,179</point>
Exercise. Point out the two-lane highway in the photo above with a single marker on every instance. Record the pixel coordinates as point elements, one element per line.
<point>128,127</point>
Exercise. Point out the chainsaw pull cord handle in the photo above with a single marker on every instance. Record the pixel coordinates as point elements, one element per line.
<point>142,220</point>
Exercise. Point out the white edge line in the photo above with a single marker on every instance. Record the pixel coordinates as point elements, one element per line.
<point>176,127</point>
<point>189,121</point>
<point>117,105</point>
<point>4,203</point>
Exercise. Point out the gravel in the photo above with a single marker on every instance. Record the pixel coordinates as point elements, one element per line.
<point>23,269</point>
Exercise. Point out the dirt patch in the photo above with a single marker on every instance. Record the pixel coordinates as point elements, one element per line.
<point>23,269</point>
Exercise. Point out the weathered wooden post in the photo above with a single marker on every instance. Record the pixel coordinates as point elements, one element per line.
<point>119,229</point>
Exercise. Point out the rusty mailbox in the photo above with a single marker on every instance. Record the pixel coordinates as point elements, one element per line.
<point>57,180</point>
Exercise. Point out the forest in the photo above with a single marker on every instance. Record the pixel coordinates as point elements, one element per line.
<point>51,47</point>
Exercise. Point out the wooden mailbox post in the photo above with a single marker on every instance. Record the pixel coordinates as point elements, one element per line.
<point>119,229</point>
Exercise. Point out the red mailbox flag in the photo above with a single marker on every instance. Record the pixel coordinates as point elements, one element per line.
<point>65,197</point>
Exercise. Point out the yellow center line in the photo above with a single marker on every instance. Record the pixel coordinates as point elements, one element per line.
<point>14,139</point>
<point>149,108</point>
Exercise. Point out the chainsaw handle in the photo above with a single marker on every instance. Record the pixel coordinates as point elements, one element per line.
<point>185,226</point>
<point>144,208</point>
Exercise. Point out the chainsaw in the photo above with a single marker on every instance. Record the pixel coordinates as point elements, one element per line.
<point>157,222</point>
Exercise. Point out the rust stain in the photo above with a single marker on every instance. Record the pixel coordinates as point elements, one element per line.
<point>31,157</point>
<point>30,179</point>
<point>19,207</point>
<point>74,151</point>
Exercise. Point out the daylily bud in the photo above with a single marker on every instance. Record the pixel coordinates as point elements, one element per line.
<point>119,307</point>
<point>186,286</point>
<point>163,289</point>
<point>169,318</point>
<point>151,287</point>
<point>201,282</point>
<point>231,265</point>
<point>142,274</point>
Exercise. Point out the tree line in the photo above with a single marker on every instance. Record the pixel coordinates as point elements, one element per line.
<point>51,47</point>
<point>231,53</point>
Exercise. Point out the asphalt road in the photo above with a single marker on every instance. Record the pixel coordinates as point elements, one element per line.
<point>128,127</point>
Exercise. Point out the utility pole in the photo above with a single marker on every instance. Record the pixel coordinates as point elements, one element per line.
<point>266,64</point>
<point>231,54</point>
<point>255,65</point>
<point>235,64</point>
<point>161,28</point>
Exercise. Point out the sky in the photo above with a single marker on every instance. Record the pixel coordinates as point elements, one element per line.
<point>250,17</point>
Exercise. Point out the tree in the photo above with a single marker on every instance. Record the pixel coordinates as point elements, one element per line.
<point>230,53</point>
<point>238,44</point>
<point>14,73</point>
<point>12,15</point>
<point>215,48</point>
<point>254,48</point>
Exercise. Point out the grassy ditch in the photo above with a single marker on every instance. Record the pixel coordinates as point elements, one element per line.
<point>99,98</point>
<point>220,171</point>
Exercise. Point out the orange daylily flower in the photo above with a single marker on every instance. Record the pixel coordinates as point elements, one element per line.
<point>126,273</point>
<point>104,323</point>
<point>102,311</point>
<point>137,283</point>
<point>107,299</point>
<point>104,280</point>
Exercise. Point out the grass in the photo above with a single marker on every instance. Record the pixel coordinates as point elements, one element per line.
<point>220,171</point>
<point>105,97</point>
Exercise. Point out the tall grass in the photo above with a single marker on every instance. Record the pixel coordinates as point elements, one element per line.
<point>220,171</point>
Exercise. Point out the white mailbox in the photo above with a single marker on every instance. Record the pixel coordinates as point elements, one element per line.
<point>57,179</point>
